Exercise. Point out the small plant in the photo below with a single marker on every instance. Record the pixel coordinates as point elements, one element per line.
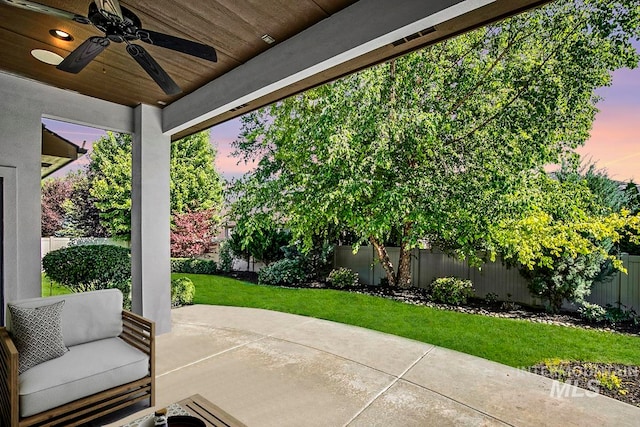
<point>555,367</point>
<point>384,282</point>
<point>451,290</point>
<point>616,315</point>
<point>592,312</point>
<point>182,291</point>
<point>491,298</point>
<point>343,278</point>
<point>509,305</point>
<point>610,381</point>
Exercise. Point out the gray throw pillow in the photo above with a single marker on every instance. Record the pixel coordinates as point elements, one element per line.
<point>37,333</point>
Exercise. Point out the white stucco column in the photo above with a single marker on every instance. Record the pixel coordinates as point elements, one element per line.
<point>150,248</point>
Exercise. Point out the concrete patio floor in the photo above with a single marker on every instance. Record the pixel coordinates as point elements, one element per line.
<point>274,369</point>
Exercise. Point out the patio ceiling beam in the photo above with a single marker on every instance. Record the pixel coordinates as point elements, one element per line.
<point>365,26</point>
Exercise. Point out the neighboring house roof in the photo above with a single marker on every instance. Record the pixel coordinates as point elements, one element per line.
<point>57,152</point>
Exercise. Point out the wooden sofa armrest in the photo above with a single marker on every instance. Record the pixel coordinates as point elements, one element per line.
<point>8,380</point>
<point>140,333</point>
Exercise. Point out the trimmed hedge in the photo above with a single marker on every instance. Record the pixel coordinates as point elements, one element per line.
<point>193,266</point>
<point>89,267</point>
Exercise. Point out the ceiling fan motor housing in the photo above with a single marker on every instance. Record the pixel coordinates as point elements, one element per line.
<point>116,29</point>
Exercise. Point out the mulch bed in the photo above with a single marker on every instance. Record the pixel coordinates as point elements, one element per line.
<point>617,381</point>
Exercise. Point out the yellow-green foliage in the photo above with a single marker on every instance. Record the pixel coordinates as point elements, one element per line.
<point>537,239</point>
<point>610,381</point>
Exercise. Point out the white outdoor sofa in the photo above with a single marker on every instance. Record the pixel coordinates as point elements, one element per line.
<point>108,366</point>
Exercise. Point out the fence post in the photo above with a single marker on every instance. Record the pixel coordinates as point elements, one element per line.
<point>623,281</point>
<point>372,266</point>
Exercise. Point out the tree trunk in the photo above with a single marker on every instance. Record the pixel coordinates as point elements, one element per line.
<point>403,279</point>
<point>383,256</point>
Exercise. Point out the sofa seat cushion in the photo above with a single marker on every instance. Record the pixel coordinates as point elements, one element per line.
<point>84,370</point>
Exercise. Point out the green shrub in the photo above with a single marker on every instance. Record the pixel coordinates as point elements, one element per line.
<point>193,266</point>
<point>592,312</point>
<point>569,278</point>
<point>343,278</point>
<point>615,315</point>
<point>182,291</point>
<point>491,298</point>
<point>226,257</point>
<point>286,272</point>
<point>451,290</point>
<point>91,267</point>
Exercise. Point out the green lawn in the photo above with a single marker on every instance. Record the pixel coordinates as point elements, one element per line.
<point>512,342</point>
<point>50,288</point>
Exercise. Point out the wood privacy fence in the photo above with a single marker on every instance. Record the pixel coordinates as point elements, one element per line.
<point>48,244</point>
<point>507,283</point>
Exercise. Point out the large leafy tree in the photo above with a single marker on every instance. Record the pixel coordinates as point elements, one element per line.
<point>431,145</point>
<point>110,176</point>
<point>195,184</point>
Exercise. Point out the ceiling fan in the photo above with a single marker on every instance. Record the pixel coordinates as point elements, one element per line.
<point>120,25</point>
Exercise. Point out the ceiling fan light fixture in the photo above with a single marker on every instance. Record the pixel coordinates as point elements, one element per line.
<point>46,56</point>
<point>61,34</point>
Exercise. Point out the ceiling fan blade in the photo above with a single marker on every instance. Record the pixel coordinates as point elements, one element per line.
<point>153,69</point>
<point>79,58</point>
<point>178,44</point>
<point>110,9</point>
<point>41,8</point>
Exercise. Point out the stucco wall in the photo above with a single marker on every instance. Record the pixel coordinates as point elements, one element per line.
<point>23,104</point>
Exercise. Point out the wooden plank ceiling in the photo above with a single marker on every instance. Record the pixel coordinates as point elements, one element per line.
<point>234,28</point>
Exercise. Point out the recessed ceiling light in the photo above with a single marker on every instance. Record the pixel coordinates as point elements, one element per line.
<point>47,56</point>
<point>268,39</point>
<point>161,103</point>
<point>60,34</point>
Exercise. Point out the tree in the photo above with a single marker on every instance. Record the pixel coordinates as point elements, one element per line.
<point>191,233</point>
<point>110,177</point>
<point>431,145</point>
<point>81,216</point>
<point>565,236</point>
<point>55,192</point>
<point>195,184</point>
<point>262,240</point>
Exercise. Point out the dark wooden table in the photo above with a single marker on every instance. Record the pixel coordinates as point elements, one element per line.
<point>211,414</point>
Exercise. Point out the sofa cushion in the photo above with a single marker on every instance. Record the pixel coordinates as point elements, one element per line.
<point>87,316</point>
<point>84,370</point>
<point>37,334</point>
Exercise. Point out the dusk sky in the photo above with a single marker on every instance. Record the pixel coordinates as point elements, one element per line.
<point>614,143</point>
